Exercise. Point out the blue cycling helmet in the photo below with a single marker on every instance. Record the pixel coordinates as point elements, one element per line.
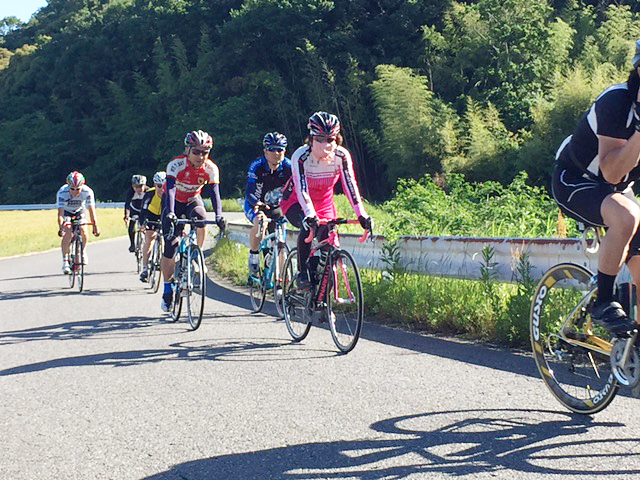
<point>274,140</point>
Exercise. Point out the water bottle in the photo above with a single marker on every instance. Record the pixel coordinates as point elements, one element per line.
<point>267,259</point>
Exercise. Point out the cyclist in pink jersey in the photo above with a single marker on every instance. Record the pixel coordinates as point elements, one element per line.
<point>315,169</point>
<point>188,176</point>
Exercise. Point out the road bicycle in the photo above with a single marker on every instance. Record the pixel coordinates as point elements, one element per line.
<point>154,274</point>
<point>273,251</point>
<point>76,249</point>
<point>189,279</point>
<point>581,363</point>
<point>336,292</point>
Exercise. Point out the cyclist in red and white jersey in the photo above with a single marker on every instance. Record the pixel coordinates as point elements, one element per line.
<point>315,170</point>
<point>188,176</point>
<point>73,199</point>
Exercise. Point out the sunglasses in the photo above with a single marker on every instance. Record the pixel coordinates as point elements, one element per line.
<point>74,189</point>
<point>323,139</point>
<point>275,149</point>
<point>195,151</point>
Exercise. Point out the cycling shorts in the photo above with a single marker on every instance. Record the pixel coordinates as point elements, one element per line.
<point>580,197</point>
<point>193,209</point>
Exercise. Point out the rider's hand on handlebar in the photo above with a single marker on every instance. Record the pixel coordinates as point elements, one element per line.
<point>366,222</point>
<point>60,232</point>
<point>96,230</point>
<point>221,223</point>
<point>312,222</point>
<point>172,217</point>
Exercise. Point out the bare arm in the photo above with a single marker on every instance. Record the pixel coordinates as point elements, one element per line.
<point>94,220</point>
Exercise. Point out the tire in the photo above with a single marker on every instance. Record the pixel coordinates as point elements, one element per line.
<point>296,315</point>
<point>176,304</point>
<point>578,376</point>
<point>258,286</point>
<point>139,237</point>
<point>80,263</point>
<point>277,280</point>
<point>72,261</point>
<point>345,301</point>
<point>155,274</point>
<point>196,287</point>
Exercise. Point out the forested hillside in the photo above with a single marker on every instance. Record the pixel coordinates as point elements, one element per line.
<point>485,88</point>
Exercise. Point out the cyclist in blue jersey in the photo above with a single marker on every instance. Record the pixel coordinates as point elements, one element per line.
<point>596,168</point>
<point>266,177</point>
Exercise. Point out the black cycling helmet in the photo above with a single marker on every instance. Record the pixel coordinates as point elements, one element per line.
<point>274,140</point>
<point>138,180</point>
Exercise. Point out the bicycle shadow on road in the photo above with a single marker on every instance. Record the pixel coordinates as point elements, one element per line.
<point>79,330</point>
<point>465,443</point>
<point>182,351</point>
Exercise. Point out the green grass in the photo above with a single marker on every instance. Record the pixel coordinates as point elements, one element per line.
<point>37,230</point>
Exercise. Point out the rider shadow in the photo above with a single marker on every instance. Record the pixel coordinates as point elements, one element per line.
<point>188,351</point>
<point>496,442</point>
<point>79,330</point>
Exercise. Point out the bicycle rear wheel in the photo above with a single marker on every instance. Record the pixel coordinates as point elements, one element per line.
<point>196,286</point>
<point>258,286</point>
<point>283,253</point>
<point>79,262</point>
<point>296,315</point>
<point>72,261</point>
<point>574,365</point>
<point>345,309</point>
<point>154,264</point>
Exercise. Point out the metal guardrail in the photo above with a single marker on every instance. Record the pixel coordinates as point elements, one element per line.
<point>457,257</point>
<point>54,206</point>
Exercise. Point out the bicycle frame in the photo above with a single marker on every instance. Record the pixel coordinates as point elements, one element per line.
<point>326,248</point>
<point>272,243</point>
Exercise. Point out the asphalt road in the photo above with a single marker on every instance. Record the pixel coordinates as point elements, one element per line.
<point>99,385</point>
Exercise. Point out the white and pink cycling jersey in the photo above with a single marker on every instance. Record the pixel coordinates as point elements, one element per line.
<point>72,204</point>
<point>190,180</point>
<point>314,181</point>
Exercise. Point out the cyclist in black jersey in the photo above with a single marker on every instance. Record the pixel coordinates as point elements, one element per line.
<point>592,183</point>
<point>132,206</point>
<point>265,179</point>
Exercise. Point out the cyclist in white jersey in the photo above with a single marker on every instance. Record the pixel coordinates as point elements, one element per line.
<point>73,199</point>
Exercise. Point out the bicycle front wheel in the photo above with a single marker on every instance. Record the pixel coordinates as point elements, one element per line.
<point>572,353</point>
<point>257,286</point>
<point>79,262</point>
<point>345,309</point>
<point>283,253</point>
<point>294,303</point>
<point>72,263</point>
<point>176,302</point>
<point>139,238</point>
<point>196,286</point>
<point>154,264</point>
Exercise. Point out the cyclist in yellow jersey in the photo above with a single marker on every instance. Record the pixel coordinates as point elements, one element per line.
<point>151,210</point>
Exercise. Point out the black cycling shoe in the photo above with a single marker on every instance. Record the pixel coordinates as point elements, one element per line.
<point>132,248</point>
<point>302,282</point>
<point>612,316</point>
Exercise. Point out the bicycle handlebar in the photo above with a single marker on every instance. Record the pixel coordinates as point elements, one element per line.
<point>337,221</point>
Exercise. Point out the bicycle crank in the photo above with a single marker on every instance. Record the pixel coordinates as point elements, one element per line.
<point>627,372</point>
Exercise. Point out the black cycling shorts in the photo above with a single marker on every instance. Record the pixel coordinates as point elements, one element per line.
<point>580,197</point>
<point>193,209</point>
